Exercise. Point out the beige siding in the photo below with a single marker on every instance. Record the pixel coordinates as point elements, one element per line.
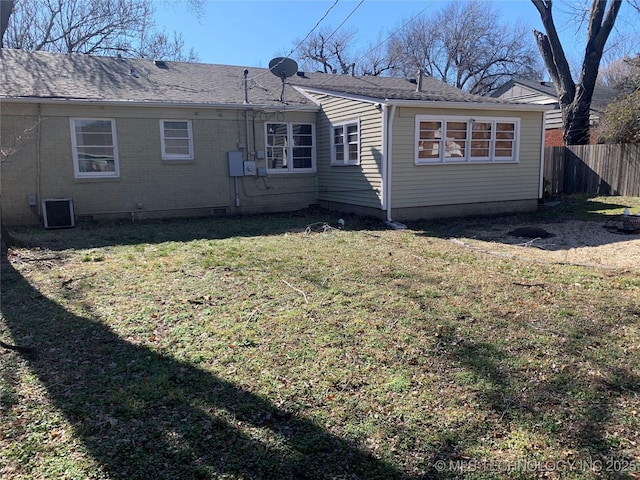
<point>354,184</point>
<point>147,185</point>
<point>18,133</point>
<point>451,184</point>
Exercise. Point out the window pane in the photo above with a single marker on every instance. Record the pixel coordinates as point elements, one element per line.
<point>353,152</point>
<point>352,133</point>
<point>91,126</point>
<point>302,145</point>
<point>301,129</point>
<point>481,140</point>
<point>277,145</point>
<point>95,150</point>
<point>429,142</point>
<point>505,138</point>
<point>455,146</point>
<point>338,144</point>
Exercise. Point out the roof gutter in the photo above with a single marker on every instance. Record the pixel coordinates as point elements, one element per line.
<point>424,103</point>
<point>526,107</point>
<point>128,103</point>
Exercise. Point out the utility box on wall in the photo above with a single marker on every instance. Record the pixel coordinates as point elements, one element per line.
<point>249,168</point>
<point>236,165</point>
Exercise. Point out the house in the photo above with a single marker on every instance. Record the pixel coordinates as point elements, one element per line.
<point>136,138</point>
<point>544,93</point>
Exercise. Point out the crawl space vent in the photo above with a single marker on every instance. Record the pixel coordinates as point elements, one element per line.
<point>58,213</point>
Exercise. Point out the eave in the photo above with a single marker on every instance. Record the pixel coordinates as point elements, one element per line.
<point>527,107</point>
<point>154,104</point>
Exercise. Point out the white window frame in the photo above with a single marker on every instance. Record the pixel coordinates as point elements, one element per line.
<point>163,138</point>
<point>74,148</point>
<point>288,149</point>
<point>464,145</point>
<point>345,145</point>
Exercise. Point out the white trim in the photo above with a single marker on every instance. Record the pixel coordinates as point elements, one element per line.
<point>507,107</point>
<point>388,148</point>
<point>345,132</point>
<point>348,96</point>
<point>463,145</point>
<point>467,105</point>
<point>542,146</point>
<point>288,153</point>
<point>74,150</point>
<point>174,156</point>
<point>160,104</point>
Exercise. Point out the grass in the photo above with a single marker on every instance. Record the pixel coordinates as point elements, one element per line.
<point>255,348</point>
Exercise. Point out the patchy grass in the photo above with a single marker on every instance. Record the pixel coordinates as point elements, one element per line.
<point>257,348</point>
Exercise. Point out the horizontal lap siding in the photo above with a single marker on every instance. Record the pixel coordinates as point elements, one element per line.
<point>450,184</point>
<point>355,185</point>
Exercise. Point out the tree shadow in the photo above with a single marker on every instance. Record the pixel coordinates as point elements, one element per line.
<point>125,232</point>
<point>585,403</point>
<point>143,415</point>
<point>597,225</point>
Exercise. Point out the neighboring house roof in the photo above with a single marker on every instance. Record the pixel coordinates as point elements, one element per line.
<point>602,95</point>
<point>63,77</point>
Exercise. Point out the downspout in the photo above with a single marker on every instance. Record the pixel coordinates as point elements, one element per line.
<point>38,163</point>
<point>387,147</point>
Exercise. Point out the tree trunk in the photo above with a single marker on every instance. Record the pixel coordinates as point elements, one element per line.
<point>575,98</point>
<point>6,7</point>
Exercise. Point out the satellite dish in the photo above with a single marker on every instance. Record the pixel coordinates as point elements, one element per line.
<point>284,68</point>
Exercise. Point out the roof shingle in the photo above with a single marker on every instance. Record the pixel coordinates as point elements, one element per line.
<point>46,75</point>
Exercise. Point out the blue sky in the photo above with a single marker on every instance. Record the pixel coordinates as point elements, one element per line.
<point>250,33</point>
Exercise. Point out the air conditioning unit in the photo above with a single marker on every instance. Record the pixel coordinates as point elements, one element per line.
<point>58,213</point>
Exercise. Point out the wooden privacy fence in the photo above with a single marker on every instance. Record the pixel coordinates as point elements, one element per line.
<point>597,169</point>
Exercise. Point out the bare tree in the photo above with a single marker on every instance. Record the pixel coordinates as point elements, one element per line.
<point>99,27</point>
<point>6,8</point>
<point>376,60</point>
<point>328,51</point>
<point>464,45</point>
<point>621,120</point>
<point>575,97</point>
<point>618,73</point>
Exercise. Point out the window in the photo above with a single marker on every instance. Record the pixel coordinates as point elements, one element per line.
<point>345,144</point>
<point>95,151</point>
<point>177,139</point>
<point>290,147</point>
<point>465,140</point>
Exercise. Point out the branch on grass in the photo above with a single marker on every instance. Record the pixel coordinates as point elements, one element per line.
<point>530,243</point>
<point>296,289</point>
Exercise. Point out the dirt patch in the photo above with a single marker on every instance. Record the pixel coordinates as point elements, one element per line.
<point>573,241</point>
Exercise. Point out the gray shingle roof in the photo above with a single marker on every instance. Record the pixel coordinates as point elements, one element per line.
<point>602,95</point>
<point>46,75</point>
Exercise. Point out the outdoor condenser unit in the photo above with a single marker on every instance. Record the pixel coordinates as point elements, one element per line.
<point>58,213</point>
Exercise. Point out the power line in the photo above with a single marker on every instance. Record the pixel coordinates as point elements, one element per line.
<point>344,21</point>
<point>341,24</point>
<point>306,36</point>
<point>397,30</point>
<point>316,26</point>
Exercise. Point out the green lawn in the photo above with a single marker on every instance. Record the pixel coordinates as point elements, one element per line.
<point>258,348</point>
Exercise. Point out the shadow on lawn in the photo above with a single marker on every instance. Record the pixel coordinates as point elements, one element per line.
<point>496,228</point>
<point>123,232</point>
<point>569,406</point>
<point>142,415</point>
